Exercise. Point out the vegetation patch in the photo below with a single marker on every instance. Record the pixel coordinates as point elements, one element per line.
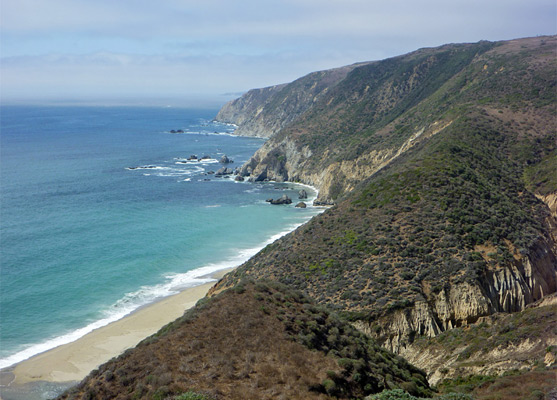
<point>253,341</point>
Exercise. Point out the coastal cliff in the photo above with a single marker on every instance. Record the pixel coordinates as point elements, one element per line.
<point>264,112</point>
<point>374,112</point>
<point>440,244</point>
<point>284,161</point>
<point>504,289</point>
<point>441,165</point>
<point>493,345</point>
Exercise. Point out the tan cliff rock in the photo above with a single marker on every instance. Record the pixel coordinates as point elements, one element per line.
<point>286,161</point>
<point>494,344</point>
<point>551,201</point>
<point>508,288</point>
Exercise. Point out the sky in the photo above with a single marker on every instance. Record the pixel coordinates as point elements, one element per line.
<point>183,52</point>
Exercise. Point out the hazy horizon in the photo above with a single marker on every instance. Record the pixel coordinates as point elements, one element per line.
<point>184,53</point>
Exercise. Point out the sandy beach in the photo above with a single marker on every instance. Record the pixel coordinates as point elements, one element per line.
<point>74,361</point>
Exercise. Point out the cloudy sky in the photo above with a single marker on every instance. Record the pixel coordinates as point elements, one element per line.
<point>190,52</point>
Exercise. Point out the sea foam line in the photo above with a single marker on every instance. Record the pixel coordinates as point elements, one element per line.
<point>146,295</point>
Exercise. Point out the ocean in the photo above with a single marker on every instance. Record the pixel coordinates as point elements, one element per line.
<point>101,212</point>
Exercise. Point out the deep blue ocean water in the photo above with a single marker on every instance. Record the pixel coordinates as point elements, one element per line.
<point>101,213</point>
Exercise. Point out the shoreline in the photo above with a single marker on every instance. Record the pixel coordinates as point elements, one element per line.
<point>65,365</point>
<point>73,361</point>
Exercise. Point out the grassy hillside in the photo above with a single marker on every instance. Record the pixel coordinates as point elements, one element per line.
<point>446,212</point>
<point>449,228</point>
<point>381,104</point>
<point>438,162</point>
<point>258,341</point>
<point>383,108</point>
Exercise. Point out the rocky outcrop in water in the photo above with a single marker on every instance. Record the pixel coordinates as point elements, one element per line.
<point>224,171</point>
<point>225,160</point>
<point>284,199</point>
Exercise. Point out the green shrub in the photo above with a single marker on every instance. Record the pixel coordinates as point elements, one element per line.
<point>191,395</point>
<point>329,386</point>
<point>161,393</point>
<point>399,394</point>
<point>393,394</point>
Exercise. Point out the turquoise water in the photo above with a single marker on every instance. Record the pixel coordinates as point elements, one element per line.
<point>101,213</point>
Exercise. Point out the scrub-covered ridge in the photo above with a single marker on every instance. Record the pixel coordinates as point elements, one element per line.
<point>256,341</point>
<point>441,165</point>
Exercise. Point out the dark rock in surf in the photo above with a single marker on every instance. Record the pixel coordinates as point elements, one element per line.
<point>283,200</point>
<point>224,171</point>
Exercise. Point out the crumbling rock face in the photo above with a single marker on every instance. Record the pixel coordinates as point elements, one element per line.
<point>551,201</point>
<point>494,344</point>
<point>510,288</point>
<point>527,280</point>
<point>458,305</point>
<point>286,160</point>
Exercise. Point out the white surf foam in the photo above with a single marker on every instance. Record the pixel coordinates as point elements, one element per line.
<point>132,301</point>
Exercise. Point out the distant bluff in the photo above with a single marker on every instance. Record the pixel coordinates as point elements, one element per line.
<point>264,112</point>
<point>441,165</point>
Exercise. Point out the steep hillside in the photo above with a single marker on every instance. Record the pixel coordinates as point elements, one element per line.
<point>264,112</point>
<point>380,110</point>
<point>258,341</point>
<point>243,110</point>
<point>497,343</point>
<point>442,166</point>
<point>441,244</point>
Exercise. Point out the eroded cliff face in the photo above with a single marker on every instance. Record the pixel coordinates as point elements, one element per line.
<point>286,160</point>
<point>504,291</point>
<point>508,288</point>
<point>551,201</point>
<point>243,110</point>
<point>494,344</point>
